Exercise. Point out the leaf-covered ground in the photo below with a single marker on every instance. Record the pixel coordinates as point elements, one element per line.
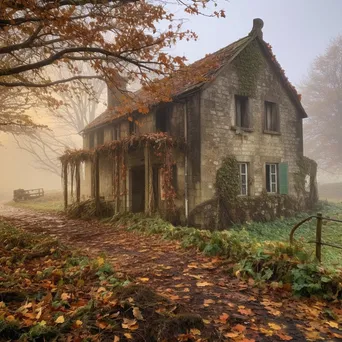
<point>238,311</point>
<point>50,293</point>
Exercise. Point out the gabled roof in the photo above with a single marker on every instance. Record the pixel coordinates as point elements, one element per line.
<point>181,85</point>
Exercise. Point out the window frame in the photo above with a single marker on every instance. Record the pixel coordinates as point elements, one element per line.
<point>91,140</point>
<point>132,127</point>
<point>246,178</point>
<point>100,134</point>
<point>116,132</point>
<point>273,127</point>
<point>270,185</point>
<point>162,116</point>
<point>239,122</point>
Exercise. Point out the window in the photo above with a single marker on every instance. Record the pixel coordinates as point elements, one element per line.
<point>91,140</point>
<point>243,172</point>
<point>132,127</point>
<point>241,111</point>
<point>272,178</point>
<point>116,132</point>
<point>100,137</point>
<point>162,120</point>
<point>271,117</point>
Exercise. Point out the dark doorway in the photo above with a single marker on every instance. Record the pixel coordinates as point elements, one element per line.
<point>138,189</point>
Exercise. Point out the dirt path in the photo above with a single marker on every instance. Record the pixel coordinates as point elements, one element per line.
<point>239,312</point>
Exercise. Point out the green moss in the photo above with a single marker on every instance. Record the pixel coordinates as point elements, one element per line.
<point>248,65</point>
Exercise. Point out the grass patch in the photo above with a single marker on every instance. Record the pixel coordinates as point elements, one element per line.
<point>279,230</point>
<point>48,292</point>
<point>51,202</point>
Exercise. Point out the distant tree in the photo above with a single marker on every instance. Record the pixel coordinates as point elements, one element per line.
<point>322,97</point>
<point>65,123</point>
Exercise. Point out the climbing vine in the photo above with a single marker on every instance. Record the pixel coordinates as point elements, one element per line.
<point>248,65</point>
<point>227,180</point>
<point>307,167</point>
<point>160,143</point>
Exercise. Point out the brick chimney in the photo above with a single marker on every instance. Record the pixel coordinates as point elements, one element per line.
<point>115,91</point>
<point>258,24</point>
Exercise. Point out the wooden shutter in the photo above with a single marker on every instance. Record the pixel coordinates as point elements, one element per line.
<point>283,178</point>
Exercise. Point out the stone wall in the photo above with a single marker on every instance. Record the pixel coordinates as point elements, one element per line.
<point>219,136</point>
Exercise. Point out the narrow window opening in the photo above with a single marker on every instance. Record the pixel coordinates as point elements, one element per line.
<point>241,111</point>
<point>91,140</point>
<point>116,133</point>
<point>132,127</point>
<point>271,117</point>
<point>162,120</point>
<point>100,137</point>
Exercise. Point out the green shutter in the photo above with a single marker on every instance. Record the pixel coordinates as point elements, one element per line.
<point>283,178</point>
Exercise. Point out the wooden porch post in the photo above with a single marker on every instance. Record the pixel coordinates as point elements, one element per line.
<point>97,184</point>
<point>117,181</point>
<point>65,185</point>
<point>78,182</point>
<point>148,180</point>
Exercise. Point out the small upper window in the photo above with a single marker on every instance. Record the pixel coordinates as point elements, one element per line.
<point>241,111</point>
<point>243,172</point>
<point>132,127</point>
<point>116,132</point>
<point>100,137</point>
<point>91,140</point>
<point>272,178</point>
<point>271,117</point>
<point>162,120</point>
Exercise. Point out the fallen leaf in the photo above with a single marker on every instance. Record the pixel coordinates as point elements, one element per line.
<point>195,332</point>
<point>144,280</point>
<point>274,326</point>
<point>203,283</point>
<point>100,261</point>
<point>232,334</point>
<point>128,336</point>
<point>207,302</point>
<point>284,337</point>
<point>116,339</point>
<point>137,314</point>
<point>65,296</point>
<point>332,324</point>
<point>239,327</point>
<point>247,312</point>
<point>224,317</point>
<point>59,320</point>
<point>130,324</point>
<point>78,323</point>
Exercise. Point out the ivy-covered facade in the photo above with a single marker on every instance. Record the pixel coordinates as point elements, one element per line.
<point>232,148</point>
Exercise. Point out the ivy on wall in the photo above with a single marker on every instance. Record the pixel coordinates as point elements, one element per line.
<point>227,180</point>
<point>307,168</point>
<point>248,65</point>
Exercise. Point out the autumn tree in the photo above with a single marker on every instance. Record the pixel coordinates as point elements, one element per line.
<point>322,95</point>
<point>113,37</point>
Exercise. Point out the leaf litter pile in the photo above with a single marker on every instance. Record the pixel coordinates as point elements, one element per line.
<point>231,309</point>
<point>48,292</point>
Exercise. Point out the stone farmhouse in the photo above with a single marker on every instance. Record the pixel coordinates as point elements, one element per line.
<point>247,111</point>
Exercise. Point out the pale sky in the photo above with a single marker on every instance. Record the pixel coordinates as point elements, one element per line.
<point>298,30</point>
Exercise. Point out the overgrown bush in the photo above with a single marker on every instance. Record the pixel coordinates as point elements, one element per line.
<point>87,209</point>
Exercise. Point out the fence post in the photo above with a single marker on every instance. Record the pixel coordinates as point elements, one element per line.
<point>319,237</point>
